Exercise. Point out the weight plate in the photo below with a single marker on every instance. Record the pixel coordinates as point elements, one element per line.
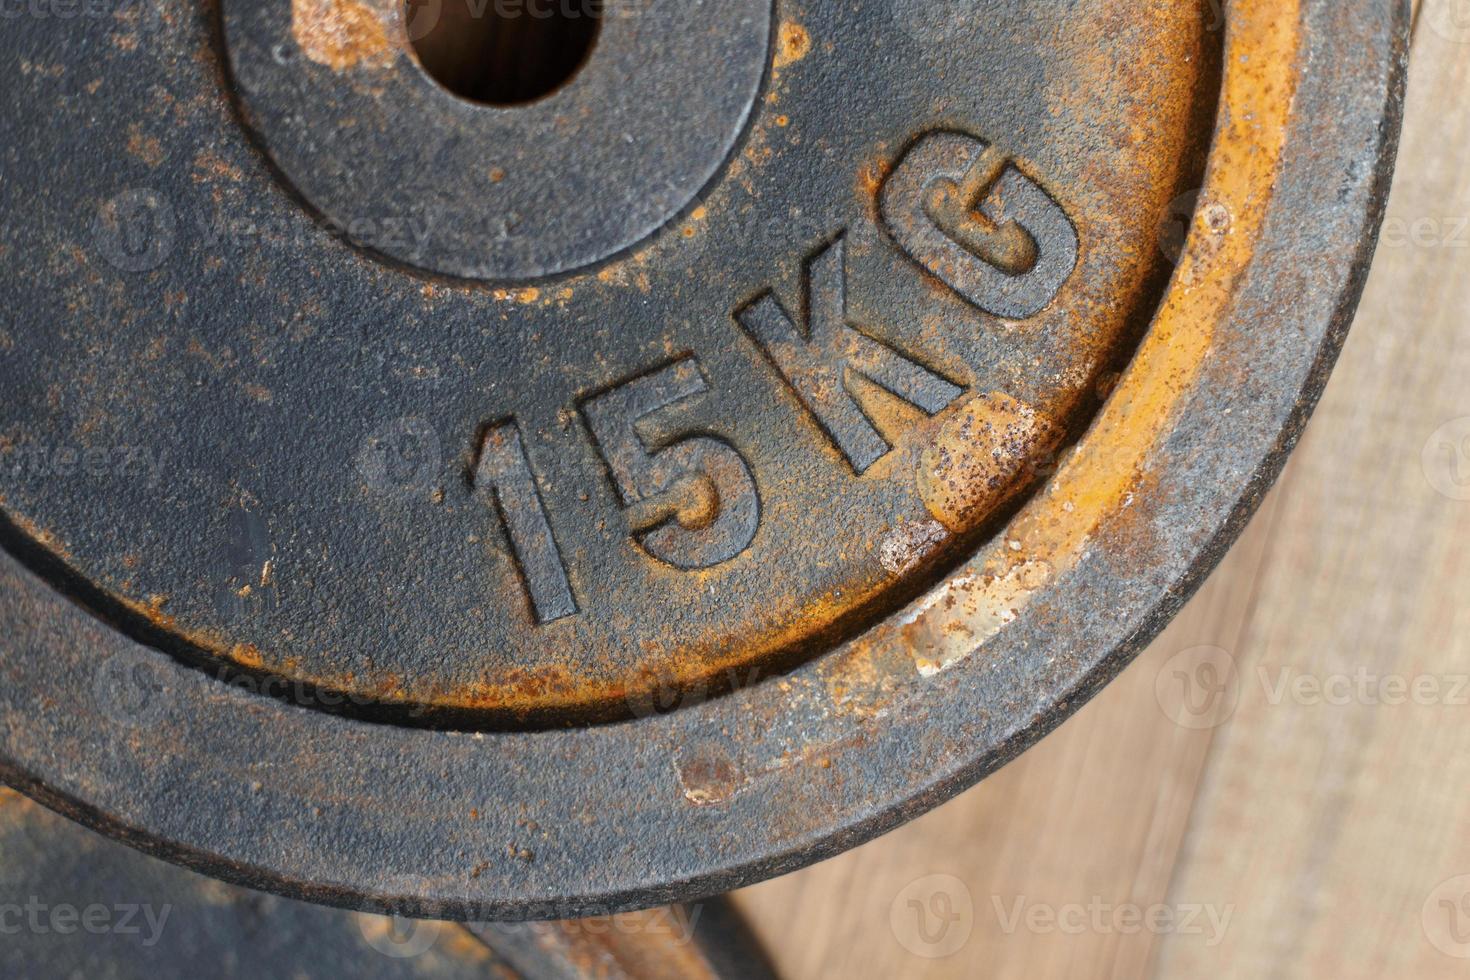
<point>541,509</point>
<point>78,905</point>
<point>73,904</point>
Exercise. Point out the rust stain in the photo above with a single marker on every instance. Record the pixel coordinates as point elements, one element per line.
<point>45,538</point>
<point>144,147</point>
<point>974,456</point>
<point>908,545</point>
<point>152,611</point>
<point>653,945</point>
<point>341,34</point>
<point>525,297</point>
<point>708,775</point>
<point>208,164</point>
<point>793,43</point>
<point>461,944</point>
<point>1098,478</point>
<point>982,455</point>
<point>247,656</point>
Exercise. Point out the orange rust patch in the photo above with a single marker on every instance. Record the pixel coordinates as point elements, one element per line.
<point>145,148</point>
<point>871,178</point>
<point>461,944</point>
<point>36,533</point>
<point>152,611</point>
<point>982,456</point>
<point>207,164</point>
<point>793,43</point>
<point>247,656</point>
<point>525,296</point>
<point>1099,477</point>
<point>341,34</point>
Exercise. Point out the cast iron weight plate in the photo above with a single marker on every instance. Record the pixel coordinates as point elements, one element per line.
<point>409,506</point>
<point>79,905</point>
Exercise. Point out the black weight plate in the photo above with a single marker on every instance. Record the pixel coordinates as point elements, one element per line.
<point>531,510</point>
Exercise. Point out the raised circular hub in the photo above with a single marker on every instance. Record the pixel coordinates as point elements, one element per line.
<point>613,115</point>
<point>872,383</point>
<point>695,466</point>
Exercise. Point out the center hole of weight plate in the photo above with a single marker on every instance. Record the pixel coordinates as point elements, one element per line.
<point>503,52</point>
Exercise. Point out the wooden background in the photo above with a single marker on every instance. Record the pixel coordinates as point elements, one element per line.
<point>1332,833</point>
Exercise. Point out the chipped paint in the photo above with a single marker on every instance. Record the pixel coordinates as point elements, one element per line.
<point>908,545</point>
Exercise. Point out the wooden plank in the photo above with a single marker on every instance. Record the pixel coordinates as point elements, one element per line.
<point>1321,830</point>
<point>1096,810</point>
<point>1330,825</point>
